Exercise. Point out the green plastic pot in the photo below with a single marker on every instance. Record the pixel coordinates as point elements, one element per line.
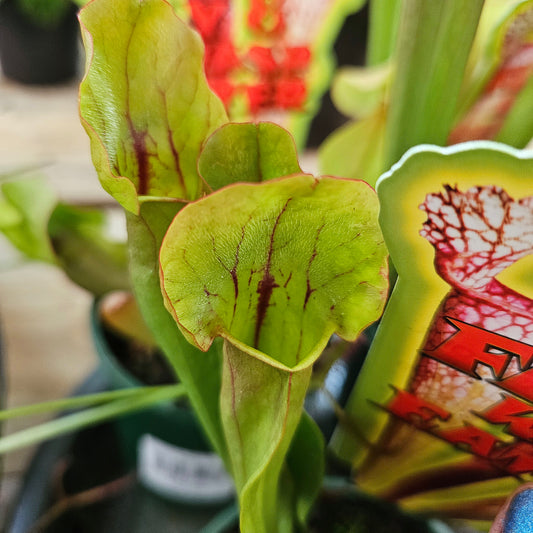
<point>164,443</point>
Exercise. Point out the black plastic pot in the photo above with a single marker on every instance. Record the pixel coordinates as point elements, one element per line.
<point>33,54</point>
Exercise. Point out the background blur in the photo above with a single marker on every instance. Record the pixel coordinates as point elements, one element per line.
<point>44,327</point>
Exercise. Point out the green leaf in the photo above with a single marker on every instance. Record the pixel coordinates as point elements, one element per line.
<point>279,265</point>
<point>517,130</point>
<point>144,101</point>
<point>382,30</point>
<point>199,372</point>
<point>133,402</point>
<point>76,402</point>
<point>433,47</point>
<point>306,464</point>
<point>357,92</point>
<point>498,32</point>
<point>363,142</point>
<point>275,268</point>
<point>26,206</point>
<point>247,152</point>
<point>259,428</point>
<point>497,87</point>
<point>9,215</point>
<point>85,251</point>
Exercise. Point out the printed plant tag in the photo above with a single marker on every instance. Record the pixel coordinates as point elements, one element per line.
<point>442,408</point>
<point>181,474</point>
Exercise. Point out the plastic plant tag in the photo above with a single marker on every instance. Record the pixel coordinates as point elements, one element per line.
<point>182,474</point>
<point>442,408</point>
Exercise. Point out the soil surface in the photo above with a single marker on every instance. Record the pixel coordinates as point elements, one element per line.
<point>147,364</point>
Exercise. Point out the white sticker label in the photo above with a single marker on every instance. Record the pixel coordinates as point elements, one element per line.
<point>182,474</point>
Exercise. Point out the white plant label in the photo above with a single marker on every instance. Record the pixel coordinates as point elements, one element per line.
<point>182,474</point>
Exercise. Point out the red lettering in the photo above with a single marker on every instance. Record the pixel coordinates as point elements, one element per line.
<point>510,412</point>
<point>415,410</point>
<point>514,458</point>
<point>520,384</point>
<point>471,346</point>
<point>479,442</point>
